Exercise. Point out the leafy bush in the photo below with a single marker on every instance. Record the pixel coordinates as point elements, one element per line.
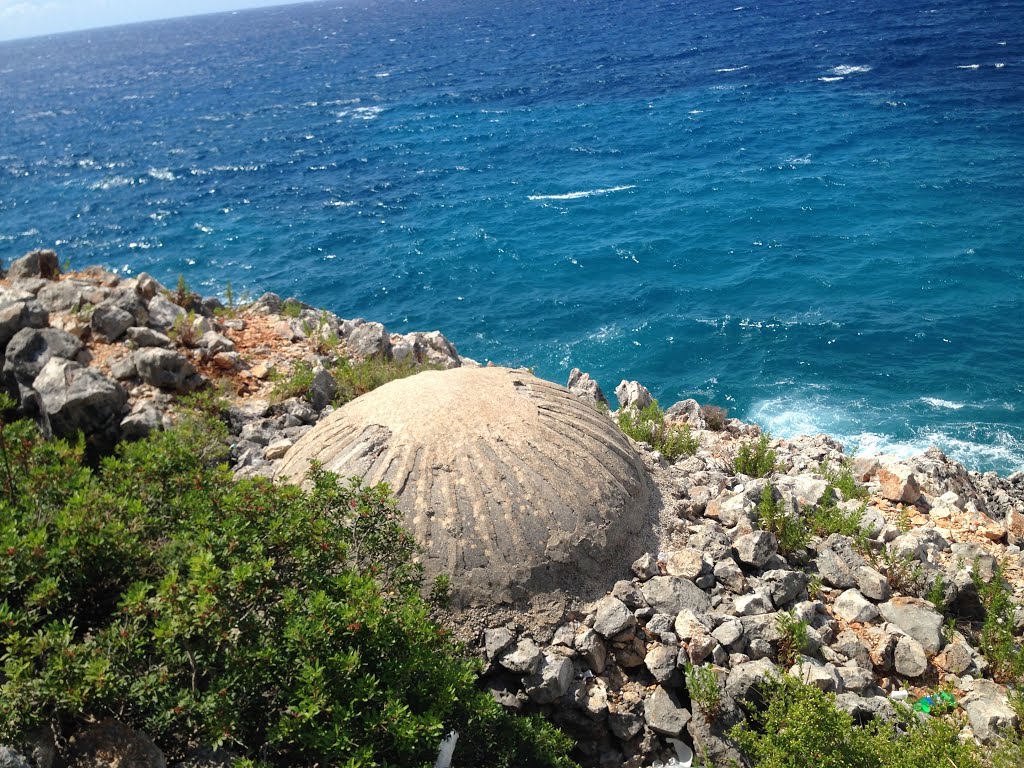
<point>291,308</point>
<point>714,416</point>
<point>842,480</point>
<point>647,425</point>
<point>285,625</point>
<point>355,378</point>
<point>772,516</point>
<point>794,637</point>
<point>996,640</point>
<point>802,728</point>
<point>297,383</point>
<point>755,460</point>
<point>702,685</point>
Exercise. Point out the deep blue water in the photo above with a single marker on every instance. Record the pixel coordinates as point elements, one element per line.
<point>809,213</point>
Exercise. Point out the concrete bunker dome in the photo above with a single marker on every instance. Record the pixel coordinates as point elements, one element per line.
<point>510,484</point>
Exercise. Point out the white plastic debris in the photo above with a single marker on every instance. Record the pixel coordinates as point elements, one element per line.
<point>899,695</point>
<point>444,754</point>
<point>683,758</point>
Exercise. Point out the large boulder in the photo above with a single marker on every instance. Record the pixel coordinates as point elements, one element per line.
<point>586,389</point>
<point>510,484</point>
<point>918,618</point>
<point>671,594</point>
<point>30,349</point>
<point>17,311</point>
<point>163,368</point>
<point>42,264</point>
<point>75,398</point>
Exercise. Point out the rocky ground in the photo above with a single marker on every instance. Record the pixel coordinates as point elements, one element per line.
<point>89,351</point>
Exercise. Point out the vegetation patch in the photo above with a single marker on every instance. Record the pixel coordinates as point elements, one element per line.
<point>647,425</point>
<point>755,460</point>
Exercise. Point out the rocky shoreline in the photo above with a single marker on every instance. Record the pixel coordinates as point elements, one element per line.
<point>888,612</point>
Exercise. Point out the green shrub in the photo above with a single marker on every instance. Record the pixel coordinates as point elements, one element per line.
<point>755,460</point>
<point>355,378</point>
<point>283,624</point>
<point>648,425</point>
<point>714,417</point>
<point>790,530</point>
<point>702,685</point>
<point>297,383</point>
<point>802,728</point>
<point>842,480</point>
<point>996,640</point>
<point>291,308</point>
<point>794,637</point>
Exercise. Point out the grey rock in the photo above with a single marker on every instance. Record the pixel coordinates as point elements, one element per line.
<point>919,544</point>
<point>918,618</point>
<point>30,348</point>
<point>630,594</point>
<point>852,606</point>
<point>756,548</point>
<point>111,743</point>
<point>110,322</point>
<point>497,640</point>
<point>17,313</point>
<point>909,658</point>
<point>686,412</point>
<point>586,389</point>
<point>744,678</point>
<point>899,483</point>
<point>123,368</point>
<point>813,672</point>
<point>783,585</point>
<point>625,724</point>
<point>728,573</point>
<point>661,662</point>
<point>838,561</point>
<point>728,632</point>
<point>41,263</point>
<point>671,594</point>
<point>645,566</point>
<point>144,419</point>
<point>141,336</point>
<point>163,368</point>
<point>752,604</point>
<point>164,313</point>
<point>663,714</point>
<point>612,617</point>
<point>593,650</point>
<point>955,658</point>
<point>75,398</point>
<point>213,343</point>
<point>62,296</point>
<point>323,389</point>
<point>551,680</point>
<point>633,394</point>
<point>872,584</point>
<point>865,709</point>
<point>989,717</point>
<point>524,658</point>
<point>369,340</point>
<point>853,648</point>
<point>689,625</point>
<point>855,678</point>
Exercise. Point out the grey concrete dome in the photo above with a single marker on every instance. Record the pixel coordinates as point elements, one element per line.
<point>510,484</point>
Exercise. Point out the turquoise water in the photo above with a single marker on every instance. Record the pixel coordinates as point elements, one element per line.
<point>810,216</point>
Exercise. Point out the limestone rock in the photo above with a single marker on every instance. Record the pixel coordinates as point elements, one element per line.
<point>989,716</point>
<point>756,548</point>
<point>851,606</point>
<point>661,661</point>
<point>75,398</point>
<point>593,650</point>
<point>633,394</point>
<point>369,340</point>
<point>109,743</point>
<point>164,313</point>
<point>612,617</point>
<point>524,658</point>
<point>42,264</point>
<point>838,561</point>
<point>671,594</point>
<point>899,483</point>
<point>510,484</point>
<point>918,618</point>
<point>872,584</point>
<point>551,680</point>
<point>663,713</point>
<point>32,347</point>
<point>909,658</point>
<point>109,322</point>
<point>163,368</point>
<point>687,563</point>
<point>496,640</point>
<point>18,311</point>
<point>586,389</point>
<point>744,678</point>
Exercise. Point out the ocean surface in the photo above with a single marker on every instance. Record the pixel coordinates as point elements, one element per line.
<point>809,213</point>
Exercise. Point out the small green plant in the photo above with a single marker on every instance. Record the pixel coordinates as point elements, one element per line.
<point>996,640</point>
<point>183,296</point>
<point>647,425</point>
<point>936,594</point>
<point>793,638</point>
<point>755,460</point>
<point>842,480</point>
<point>291,308</point>
<point>714,417</point>
<point>184,331</point>
<point>902,571</point>
<point>229,296</point>
<point>441,591</point>
<point>355,378</point>
<point>903,521</point>
<point>325,341</point>
<point>297,383</point>
<point>815,587</point>
<point>702,685</point>
<point>790,530</point>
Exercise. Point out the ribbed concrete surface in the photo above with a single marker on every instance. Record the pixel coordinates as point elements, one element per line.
<point>511,485</point>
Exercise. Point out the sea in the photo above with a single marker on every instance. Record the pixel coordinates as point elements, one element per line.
<point>809,213</point>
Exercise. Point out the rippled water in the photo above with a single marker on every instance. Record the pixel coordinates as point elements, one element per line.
<point>811,217</point>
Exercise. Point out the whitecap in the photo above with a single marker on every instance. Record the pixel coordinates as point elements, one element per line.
<point>968,66</point>
<point>340,203</point>
<point>112,183</point>
<point>161,174</point>
<point>999,65</point>
<point>938,402</point>
<point>585,193</point>
<point>383,74</point>
<point>732,69</point>
<point>830,79</point>
<point>360,113</point>
<point>203,228</point>
<point>848,69</point>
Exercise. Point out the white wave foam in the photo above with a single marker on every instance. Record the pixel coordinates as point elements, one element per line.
<point>161,174</point>
<point>203,228</point>
<point>112,183</point>
<point>937,402</point>
<point>845,69</point>
<point>999,65</point>
<point>732,69</point>
<point>359,113</point>
<point>585,193</point>
<point>830,79</point>
<point>968,66</point>
<point>805,160</point>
